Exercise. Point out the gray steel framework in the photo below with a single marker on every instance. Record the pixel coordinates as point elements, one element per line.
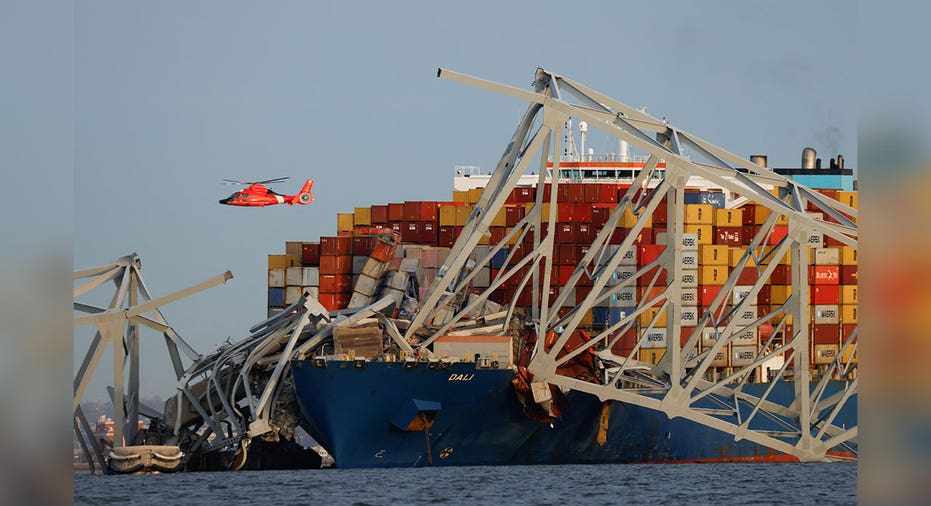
<point>678,385</point>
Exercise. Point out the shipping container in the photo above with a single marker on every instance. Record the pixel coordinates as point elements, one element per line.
<point>283,261</point>
<point>699,214</point>
<point>824,353</point>
<point>652,356</point>
<point>712,274</point>
<point>276,278</point>
<point>703,233</point>
<point>728,218</point>
<point>743,355</point>
<point>310,254</point>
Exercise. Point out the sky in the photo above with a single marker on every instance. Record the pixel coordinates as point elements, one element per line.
<point>170,98</point>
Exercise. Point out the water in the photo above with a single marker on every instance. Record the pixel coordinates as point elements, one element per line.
<point>718,484</point>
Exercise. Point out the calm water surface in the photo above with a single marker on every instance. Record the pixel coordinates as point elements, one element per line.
<point>809,483</point>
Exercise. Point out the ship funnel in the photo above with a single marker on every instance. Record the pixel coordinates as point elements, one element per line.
<point>808,158</point>
<point>840,161</point>
<point>583,127</point>
<point>759,160</point>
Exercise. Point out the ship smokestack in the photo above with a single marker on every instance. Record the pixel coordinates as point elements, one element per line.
<point>759,160</point>
<point>808,158</point>
<point>840,161</point>
<point>625,153</point>
<point>817,163</point>
<point>583,127</point>
<point>833,164</point>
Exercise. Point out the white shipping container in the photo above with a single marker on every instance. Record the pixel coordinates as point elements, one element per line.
<point>625,297</point>
<point>746,336</point>
<point>293,276</point>
<point>313,291</point>
<point>746,315</point>
<point>483,277</point>
<point>816,240</point>
<point>487,347</point>
<point>629,258</point>
<point>743,355</point>
<point>359,300</point>
<point>365,285</point>
<point>689,316</point>
<point>689,241</point>
<point>272,311</point>
<point>655,338</point>
<point>690,278</point>
<point>827,256</point>
<point>828,313</point>
<point>623,273</point>
<point>311,276</point>
<point>825,353</point>
<point>373,268</point>
<point>292,294</point>
<point>740,293</point>
<point>276,278</point>
<point>689,259</point>
<point>688,296</point>
<point>398,280</point>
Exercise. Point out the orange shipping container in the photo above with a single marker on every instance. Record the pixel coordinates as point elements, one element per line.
<point>362,216</point>
<point>344,222</point>
<point>283,261</point>
<point>847,198</point>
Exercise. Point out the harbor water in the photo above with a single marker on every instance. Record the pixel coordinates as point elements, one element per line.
<point>719,484</point>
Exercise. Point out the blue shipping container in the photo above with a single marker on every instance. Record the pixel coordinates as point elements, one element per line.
<point>275,297</point>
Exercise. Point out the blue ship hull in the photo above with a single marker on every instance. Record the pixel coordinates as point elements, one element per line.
<point>366,417</point>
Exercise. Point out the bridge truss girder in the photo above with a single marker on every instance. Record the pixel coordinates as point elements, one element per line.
<point>677,385</point>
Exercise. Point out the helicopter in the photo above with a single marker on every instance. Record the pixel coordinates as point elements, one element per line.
<point>257,194</point>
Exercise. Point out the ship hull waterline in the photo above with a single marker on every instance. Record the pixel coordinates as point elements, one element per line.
<point>366,415</point>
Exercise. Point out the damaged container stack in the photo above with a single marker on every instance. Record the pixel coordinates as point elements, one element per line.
<point>362,263</point>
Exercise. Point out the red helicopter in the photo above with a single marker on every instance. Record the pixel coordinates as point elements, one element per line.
<point>257,194</point>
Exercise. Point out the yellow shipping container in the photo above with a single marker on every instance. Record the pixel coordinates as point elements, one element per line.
<point>293,248</point>
<point>848,255</point>
<point>448,216</point>
<point>760,213</point>
<point>474,195</point>
<point>344,222</point>
<point>462,215</point>
<point>362,216</point>
<point>704,232</point>
<point>545,209</point>
<point>588,319</point>
<point>735,254</point>
<point>713,254</point>
<point>850,355</point>
<point>500,218</point>
<point>699,214</point>
<point>461,196</point>
<point>728,217</point>
<point>647,316</point>
<point>652,356</point>
<point>283,261</point>
<point>848,294</point>
<point>628,219</point>
<point>847,198</point>
<point>712,274</point>
<point>779,293</point>
<point>848,313</point>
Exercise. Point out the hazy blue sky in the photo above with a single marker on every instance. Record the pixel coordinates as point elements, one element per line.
<point>172,97</point>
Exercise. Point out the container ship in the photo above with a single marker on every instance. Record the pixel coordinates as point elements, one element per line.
<point>442,371</point>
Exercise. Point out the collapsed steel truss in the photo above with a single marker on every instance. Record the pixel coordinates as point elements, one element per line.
<point>678,385</point>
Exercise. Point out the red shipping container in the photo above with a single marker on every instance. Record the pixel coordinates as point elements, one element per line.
<point>383,251</point>
<point>846,331</point>
<point>748,276</point>
<point>395,212</point>
<point>661,213</point>
<point>379,215</point>
<point>824,294</point>
<point>411,210</point>
<point>707,294</point>
<point>591,193</point>
<point>648,276</point>
<point>565,233</point>
<point>528,237</point>
<point>335,283</point>
<point>825,333</point>
<point>362,245</point>
<point>646,236</point>
<point>600,214</point>
<point>848,274</point>
<point>566,254</point>
<point>582,213</point>
<point>310,254</point>
<point>564,212</point>
<point>647,253</point>
<point>830,242</point>
<point>513,215</point>
<point>618,235</point>
<point>749,215</point>
<point>624,344</point>
<point>782,275</point>
<point>747,232</point>
<point>428,233</point>
<point>778,232</point>
<point>547,192</point>
<point>582,291</point>
<point>497,234</point>
<point>575,192</point>
<point>584,233</point>
<point>561,274</point>
<point>335,264</point>
<point>338,245</point>
<point>644,295</point>
<point>334,301</point>
<point>824,274</point>
<point>446,236</point>
<point>521,195</point>
<point>396,226</point>
<point>429,211</point>
<point>519,251</point>
<point>607,193</point>
<point>727,236</point>
<point>410,232</point>
<point>762,297</point>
